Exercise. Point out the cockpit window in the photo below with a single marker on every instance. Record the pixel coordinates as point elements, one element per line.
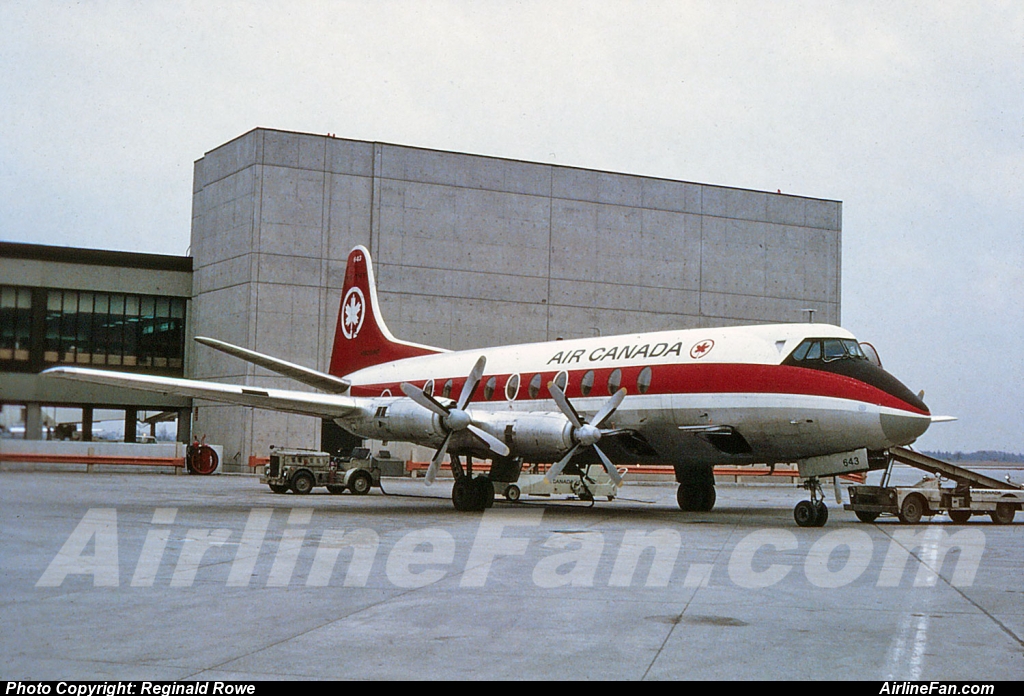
<point>853,348</point>
<point>834,349</point>
<point>828,348</point>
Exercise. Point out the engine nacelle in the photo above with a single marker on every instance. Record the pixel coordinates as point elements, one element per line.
<point>536,437</point>
<point>396,419</point>
<point>540,436</point>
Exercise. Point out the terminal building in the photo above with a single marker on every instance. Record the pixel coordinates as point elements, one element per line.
<point>92,308</point>
<point>468,251</point>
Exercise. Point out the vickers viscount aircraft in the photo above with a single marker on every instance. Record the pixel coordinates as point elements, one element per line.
<point>694,398</point>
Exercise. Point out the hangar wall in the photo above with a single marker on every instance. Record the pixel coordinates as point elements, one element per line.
<point>474,251</point>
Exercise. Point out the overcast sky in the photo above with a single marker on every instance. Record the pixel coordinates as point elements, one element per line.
<point>911,114</point>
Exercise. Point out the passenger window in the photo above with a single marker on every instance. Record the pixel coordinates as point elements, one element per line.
<point>587,383</point>
<point>446,391</point>
<point>512,387</point>
<point>534,388</point>
<point>489,388</point>
<point>643,382</point>
<point>428,388</point>
<point>562,380</point>
<point>614,381</point>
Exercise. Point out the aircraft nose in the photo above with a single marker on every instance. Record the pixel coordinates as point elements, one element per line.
<point>903,429</point>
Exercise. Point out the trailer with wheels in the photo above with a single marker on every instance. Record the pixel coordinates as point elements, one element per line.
<point>588,483</point>
<point>302,470</point>
<point>952,490</point>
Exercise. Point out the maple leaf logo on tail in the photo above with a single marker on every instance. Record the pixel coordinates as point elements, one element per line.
<point>352,307</point>
<point>361,338</point>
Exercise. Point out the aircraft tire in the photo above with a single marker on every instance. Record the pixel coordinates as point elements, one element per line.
<point>804,514</point>
<point>463,497</point>
<point>708,504</point>
<point>512,493</point>
<point>684,498</point>
<point>484,491</point>
<point>959,516</point>
<point>695,498</point>
<point>1003,514</point>
<point>820,514</point>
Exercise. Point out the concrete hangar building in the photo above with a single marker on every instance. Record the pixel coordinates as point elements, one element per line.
<point>469,251</point>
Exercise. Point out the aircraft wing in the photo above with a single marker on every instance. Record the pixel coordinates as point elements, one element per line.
<point>304,403</point>
<point>305,375</point>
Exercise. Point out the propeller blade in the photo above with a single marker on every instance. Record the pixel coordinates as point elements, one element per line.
<point>471,382</point>
<point>609,408</point>
<point>496,445</point>
<point>608,466</point>
<point>564,406</point>
<point>557,467</point>
<point>427,402</point>
<point>435,463</point>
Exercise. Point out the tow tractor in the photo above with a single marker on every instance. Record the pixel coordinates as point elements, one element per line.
<point>970,494</point>
<point>302,470</point>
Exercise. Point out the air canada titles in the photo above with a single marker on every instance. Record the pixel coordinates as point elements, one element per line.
<point>626,352</point>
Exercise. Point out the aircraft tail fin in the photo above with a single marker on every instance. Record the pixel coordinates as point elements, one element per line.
<point>361,338</point>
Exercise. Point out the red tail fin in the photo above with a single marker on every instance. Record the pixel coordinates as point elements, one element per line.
<point>361,338</point>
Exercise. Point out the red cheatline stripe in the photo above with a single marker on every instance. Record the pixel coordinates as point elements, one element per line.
<point>704,378</point>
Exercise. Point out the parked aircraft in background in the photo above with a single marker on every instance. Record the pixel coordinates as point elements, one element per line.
<point>694,398</point>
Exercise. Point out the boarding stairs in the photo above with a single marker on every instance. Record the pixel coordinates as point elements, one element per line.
<point>964,477</point>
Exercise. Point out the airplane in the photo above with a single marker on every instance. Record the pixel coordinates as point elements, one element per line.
<point>693,398</point>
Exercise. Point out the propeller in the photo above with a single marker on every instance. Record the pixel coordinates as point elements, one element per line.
<point>586,434</point>
<point>455,418</point>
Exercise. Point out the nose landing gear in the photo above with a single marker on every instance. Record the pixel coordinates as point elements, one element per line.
<point>470,493</point>
<point>813,512</point>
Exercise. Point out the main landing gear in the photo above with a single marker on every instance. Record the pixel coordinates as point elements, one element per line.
<point>696,492</point>
<point>469,493</point>
<point>813,512</point>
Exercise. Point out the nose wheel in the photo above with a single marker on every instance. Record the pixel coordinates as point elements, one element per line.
<point>813,512</point>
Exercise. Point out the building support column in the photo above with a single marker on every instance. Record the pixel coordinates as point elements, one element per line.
<point>184,425</point>
<point>87,424</point>
<point>33,421</point>
<point>131,420</point>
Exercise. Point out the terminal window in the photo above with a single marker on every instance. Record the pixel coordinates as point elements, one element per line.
<point>97,328</point>
<point>15,323</point>
<point>77,327</point>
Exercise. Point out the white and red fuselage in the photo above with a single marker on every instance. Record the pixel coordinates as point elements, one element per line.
<point>764,393</point>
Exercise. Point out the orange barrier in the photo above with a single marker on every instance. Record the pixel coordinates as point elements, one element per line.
<point>256,462</point>
<point>91,459</point>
